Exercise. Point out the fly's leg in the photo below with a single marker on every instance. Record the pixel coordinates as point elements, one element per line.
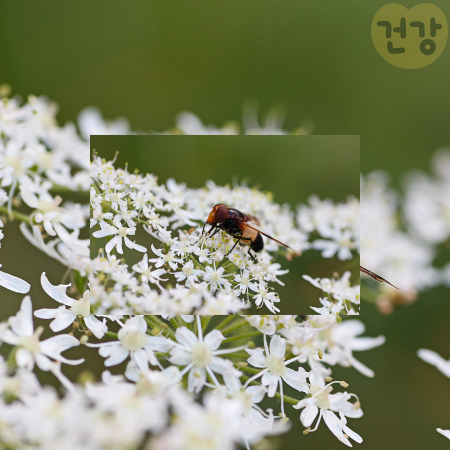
<point>203,229</point>
<point>236,243</point>
<point>251,256</point>
<point>218,228</point>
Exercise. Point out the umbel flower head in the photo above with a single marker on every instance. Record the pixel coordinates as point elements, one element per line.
<point>207,359</point>
<point>190,381</point>
<point>185,268</point>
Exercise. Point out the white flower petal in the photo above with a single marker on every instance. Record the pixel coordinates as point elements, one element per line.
<point>24,359</point>
<point>335,426</point>
<point>140,358</point>
<point>445,433</point>
<point>278,346</point>
<point>13,283</point>
<point>185,337</point>
<point>112,243</point>
<point>117,355</point>
<point>214,339</point>
<point>97,327</point>
<point>355,436</point>
<point>57,344</point>
<point>22,322</point>
<point>309,414</point>
<point>57,293</point>
<point>196,379</point>
<point>257,393</point>
<point>257,358</point>
<point>47,313</point>
<point>180,356</point>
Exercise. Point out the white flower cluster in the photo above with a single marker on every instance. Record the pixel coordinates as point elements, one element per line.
<point>340,295</point>
<point>336,224</point>
<point>212,274</point>
<point>401,234</point>
<point>38,160</point>
<point>389,250</point>
<point>427,200</point>
<point>168,362</point>
<point>189,382</point>
<point>427,205</point>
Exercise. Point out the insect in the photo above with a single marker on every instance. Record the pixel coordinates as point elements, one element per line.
<point>238,225</point>
<point>375,276</point>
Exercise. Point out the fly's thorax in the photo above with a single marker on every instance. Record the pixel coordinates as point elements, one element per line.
<point>232,227</point>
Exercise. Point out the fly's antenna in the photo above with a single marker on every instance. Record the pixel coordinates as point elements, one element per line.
<point>270,237</point>
<point>375,276</point>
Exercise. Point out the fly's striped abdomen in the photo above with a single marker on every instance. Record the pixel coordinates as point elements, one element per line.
<point>258,244</point>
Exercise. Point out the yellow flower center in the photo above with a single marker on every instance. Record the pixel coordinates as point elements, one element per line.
<point>201,354</point>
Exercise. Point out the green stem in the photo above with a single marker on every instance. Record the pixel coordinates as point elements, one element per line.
<point>162,355</point>
<point>224,322</point>
<point>241,336</point>
<point>17,215</point>
<point>112,334</point>
<point>250,370</point>
<point>199,264</point>
<point>205,322</point>
<point>154,321</point>
<point>174,322</point>
<point>240,322</point>
<point>240,354</point>
<point>64,189</point>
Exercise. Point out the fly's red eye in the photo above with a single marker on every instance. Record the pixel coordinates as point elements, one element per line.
<point>221,214</point>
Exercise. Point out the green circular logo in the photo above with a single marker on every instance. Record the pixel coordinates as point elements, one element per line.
<point>409,38</point>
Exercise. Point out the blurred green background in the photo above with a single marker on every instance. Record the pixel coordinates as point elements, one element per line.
<point>291,167</point>
<point>147,61</point>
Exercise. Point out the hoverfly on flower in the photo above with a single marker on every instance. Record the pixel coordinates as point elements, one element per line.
<point>238,225</point>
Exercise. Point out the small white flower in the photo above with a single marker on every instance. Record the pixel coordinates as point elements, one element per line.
<point>273,362</point>
<point>244,281</point>
<point>168,258</point>
<point>322,402</point>
<point>134,342</point>
<point>188,273</point>
<point>203,255</point>
<point>19,331</point>
<point>147,274</point>
<point>340,243</point>
<point>63,317</point>
<point>120,233</point>
<point>264,296</point>
<point>216,278</point>
<point>200,356</point>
